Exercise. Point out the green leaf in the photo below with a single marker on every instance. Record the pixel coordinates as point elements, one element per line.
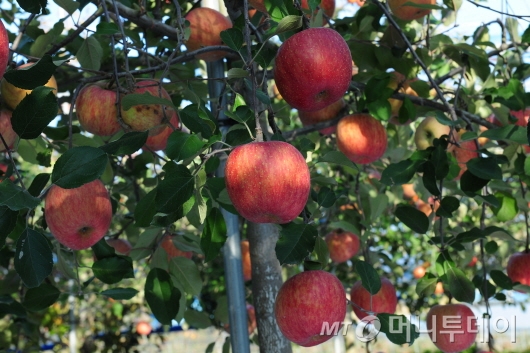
<point>429,178</point>
<point>161,296</point>
<point>236,72</point>
<point>295,243</point>
<point>197,319</point>
<point>470,184</point>
<point>90,54</point>
<point>460,286</point>
<point>8,221</point>
<point>369,277</point>
<point>233,37</point>
<point>120,293</point>
<point>413,218</point>
<point>34,113</point>
<point>126,144</point>
<point>289,23</point>
<point>78,166</point>
<point>347,226</point>
<point>337,157</point>
<point>31,77</point>
<point>213,234</point>
<point>322,251</point>
<point>38,184</point>
<point>16,198</point>
<point>491,247</point>
<point>185,272</point>
<point>501,279</point>
<point>470,235</point>
<point>40,297</point>
<point>513,133</point>
<point>194,119</point>
<point>508,207</point>
<point>398,329</point>
<point>33,258</point>
<point>69,6</point>
<point>181,145</point>
<point>448,205</point>
<point>400,173</point>
<point>426,285</point>
<point>113,269</point>
<point>145,209</point>
<point>484,168</point>
<point>175,189</point>
<point>132,99</point>
<point>33,6</point>
<point>102,249</point>
<point>106,28</point>
<point>326,197</point>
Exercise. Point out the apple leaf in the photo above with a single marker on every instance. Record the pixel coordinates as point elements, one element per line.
<point>321,250</point>
<point>102,249</point>
<point>113,269</point>
<point>120,293</point>
<point>485,168</point>
<point>491,247</point>
<point>34,112</point>
<point>33,258</point>
<point>460,286</point>
<point>33,76</point>
<point>400,173</point>
<point>16,198</point>
<point>145,209</point>
<point>161,296</point>
<point>513,133</point>
<point>181,145</point>
<point>90,53</point>
<point>398,329</point>
<point>233,37</point>
<point>486,289</point>
<point>199,122</point>
<point>412,218</point>
<point>33,6</point>
<point>197,319</point>
<point>423,6</point>
<point>326,197</point>
<point>78,166</point>
<point>470,184</point>
<point>508,208</point>
<point>369,277</point>
<point>12,307</point>
<point>429,178</point>
<point>295,243</point>
<point>448,205</point>
<point>426,285</point>
<point>40,297</point>
<point>213,234</point>
<point>8,221</point>
<point>337,157</point>
<point>126,144</point>
<point>185,272</point>
<point>38,184</point>
<point>175,189</point>
<point>501,279</point>
<point>347,226</point>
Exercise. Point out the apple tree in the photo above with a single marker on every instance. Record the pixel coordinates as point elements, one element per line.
<point>166,160</point>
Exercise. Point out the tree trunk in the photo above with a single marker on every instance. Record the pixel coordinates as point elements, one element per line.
<point>266,281</point>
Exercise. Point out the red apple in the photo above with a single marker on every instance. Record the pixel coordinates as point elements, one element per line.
<point>245,260</point>
<point>407,12</point>
<point>463,153</point>
<point>325,114</point>
<point>158,142</point>
<point>267,182</point>
<point>342,245</point>
<point>518,268</point>
<point>122,246</point>
<point>305,303</point>
<point>473,262</point>
<point>439,288</point>
<point>384,301</point>
<point>4,49</point>
<point>361,137</point>
<point>96,109</point>
<point>78,218</point>
<point>9,135</point>
<point>171,250</point>
<point>313,68</point>
<point>251,320</point>
<point>206,26</point>
<point>13,95</point>
<point>258,5</point>
<point>409,193</point>
<point>452,327</point>
<point>143,328</point>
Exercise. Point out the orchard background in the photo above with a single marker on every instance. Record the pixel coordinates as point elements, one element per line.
<point>420,220</point>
